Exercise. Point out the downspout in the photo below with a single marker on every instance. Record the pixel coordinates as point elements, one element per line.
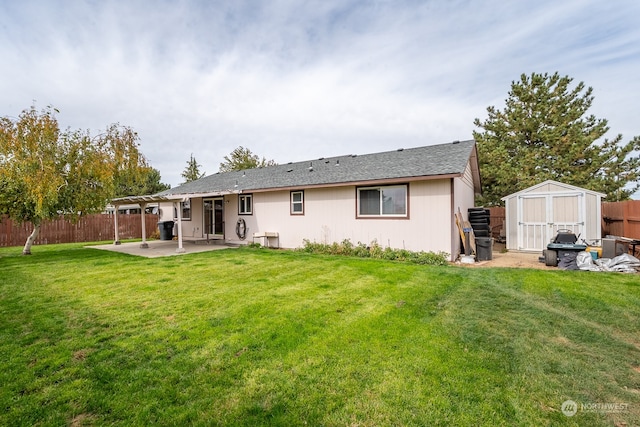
<point>455,236</point>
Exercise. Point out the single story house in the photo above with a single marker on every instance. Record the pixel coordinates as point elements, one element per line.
<point>403,199</point>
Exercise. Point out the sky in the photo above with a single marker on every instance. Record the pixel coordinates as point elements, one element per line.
<point>299,80</point>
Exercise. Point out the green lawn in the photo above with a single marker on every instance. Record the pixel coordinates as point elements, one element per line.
<point>261,337</point>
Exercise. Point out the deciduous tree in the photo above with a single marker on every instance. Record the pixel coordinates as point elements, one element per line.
<point>242,158</point>
<point>545,132</point>
<point>46,172</point>
<point>146,180</point>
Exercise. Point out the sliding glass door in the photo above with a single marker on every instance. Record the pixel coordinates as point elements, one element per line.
<point>213,210</point>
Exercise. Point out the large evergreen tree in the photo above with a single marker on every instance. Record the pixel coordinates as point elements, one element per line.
<point>544,132</point>
<point>192,171</point>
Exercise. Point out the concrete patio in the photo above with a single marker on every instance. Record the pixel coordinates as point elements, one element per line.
<point>162,248</point>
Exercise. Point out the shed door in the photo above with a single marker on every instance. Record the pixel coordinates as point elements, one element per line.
<point>541,216</point>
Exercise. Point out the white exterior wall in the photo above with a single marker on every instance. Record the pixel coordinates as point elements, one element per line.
<point>194,227</point>
<point>166,211</point>
<point>190,227</point>
<point>330,216</point>
<point>463,199</point>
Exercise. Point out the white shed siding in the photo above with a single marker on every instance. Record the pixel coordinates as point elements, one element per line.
<point>511,222</point>
<point>534,215</point>
<point>593,224</point>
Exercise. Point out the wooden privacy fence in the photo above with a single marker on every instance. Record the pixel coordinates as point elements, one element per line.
<point>90,228</point>
<point>621,219</point>
<point>496,221</point>
<point>618,219</point>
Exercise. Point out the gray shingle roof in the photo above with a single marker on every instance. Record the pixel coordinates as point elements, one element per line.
<point>433,160</point>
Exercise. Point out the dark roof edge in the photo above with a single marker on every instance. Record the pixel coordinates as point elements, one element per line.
<point>384,181</point>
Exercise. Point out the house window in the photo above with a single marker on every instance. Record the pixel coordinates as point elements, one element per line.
<point>245,204</point>
<point>297,203</point>
<point>384,201</point>
<point>186,210</point>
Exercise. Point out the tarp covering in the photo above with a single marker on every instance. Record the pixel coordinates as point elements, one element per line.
<point>624,263</point>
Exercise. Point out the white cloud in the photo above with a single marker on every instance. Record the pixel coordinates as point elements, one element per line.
<point>298,80</point>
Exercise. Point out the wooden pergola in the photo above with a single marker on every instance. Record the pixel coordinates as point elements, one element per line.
<point>143,201</point>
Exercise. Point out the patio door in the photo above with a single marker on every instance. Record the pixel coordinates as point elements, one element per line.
<point>213,210</point>
<point>540,217</point>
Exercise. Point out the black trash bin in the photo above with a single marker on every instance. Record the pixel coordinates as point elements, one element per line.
<point>166,230</point>
<point>484,248</point>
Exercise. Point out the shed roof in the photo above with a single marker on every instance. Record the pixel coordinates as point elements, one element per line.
<point>429,162</point>
<point>567,187</point>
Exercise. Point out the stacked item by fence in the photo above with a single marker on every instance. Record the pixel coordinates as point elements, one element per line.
<point>479,219</point>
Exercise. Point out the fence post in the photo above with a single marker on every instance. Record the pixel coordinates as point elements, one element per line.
<point>625,218</point>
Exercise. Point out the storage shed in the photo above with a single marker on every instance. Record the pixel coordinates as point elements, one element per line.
<point>535,214</point>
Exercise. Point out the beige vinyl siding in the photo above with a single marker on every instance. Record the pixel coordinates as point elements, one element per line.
<point>191,227</point>
<point>330,216</point>
<point>467,178</point>
<point>463,199</point>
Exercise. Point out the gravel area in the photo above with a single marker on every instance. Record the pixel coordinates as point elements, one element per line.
<point>502,258</point>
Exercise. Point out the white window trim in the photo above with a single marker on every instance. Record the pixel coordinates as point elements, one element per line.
<point>292,203</point>
<point>383,215</point>
<point>240,204</point>
<point>185,207</point>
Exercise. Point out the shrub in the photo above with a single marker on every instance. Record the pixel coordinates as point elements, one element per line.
<point>361,251</point>
<point>374,250</point>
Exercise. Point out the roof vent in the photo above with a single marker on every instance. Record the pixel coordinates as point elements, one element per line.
<point>327,161</point>
<point>338,162</point>
<point>400,149</point>
<point>354,155</point>
<point>311,167</point>
<point>289,170</point>
<point>456,142</point>
<point>321,158</point>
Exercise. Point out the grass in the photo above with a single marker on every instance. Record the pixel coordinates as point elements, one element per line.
<point>258,337</point>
